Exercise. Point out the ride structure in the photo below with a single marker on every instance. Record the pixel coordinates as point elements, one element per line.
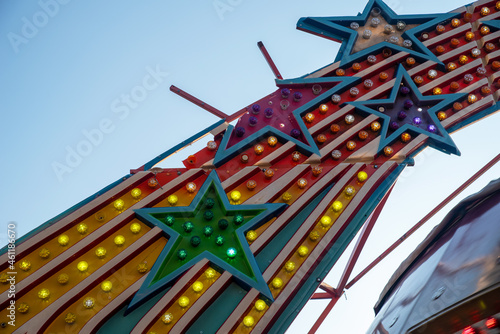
<point>239,239</point>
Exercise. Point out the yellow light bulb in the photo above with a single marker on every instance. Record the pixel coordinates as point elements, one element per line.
<point>260,305</point>
<point>325,221</point>
<point>362,176</point>
<point>248,321</point>
<point>337,206</point>
<point>235,196</point>
<point>183,301</point>
<point>251,235</point>
<point>289,266</point>
<point>303,251</point>
<point>119,204</point>
<point>286,197</point>
<point>272,141</point>
<point>277,283</point>
<point>100,252</point>
<point>191,187</point>
<point>197,286</point>
<point>106,286</point>
<point>135,228</point>
<point>119,240</point>
<point>63,240</point>
<point>136,193</point>
<point>82,266</point>
<point>44,294</point>
<point>25,265</point>
<point>210,273</point>
<point>82,228</point>
<point>172,200</point>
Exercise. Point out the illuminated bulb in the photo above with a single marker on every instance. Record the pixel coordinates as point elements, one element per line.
<point>289,266</point>
<point>23,308</point>
<point>235,196</point>
<point>269,173</point>
<point>469,36</point>
<point>321,138</point>
<point>491,323</point>
<point>475,52</point>
<point>43,294</point>
<point>82,228</point>
<point>210,273</point>
<point>484,30</point>
<point>471,98</point>
<point>82,266</point>
<point>437,91</point>
<point>183,301</point>
<point>191,187</point>
<point>44,253</point>
<point>349,191</point>
<point>362,176</point>
<point>388,151</point>
<point>303,251</point>
<point>451,66</point>
<point>432,74</point>
<point>405,137</point>
<point>63,240</point>
<point>296,156</point>
<point>135,228</point>
<point>100,252</point>
<point>136,193</point>
<point>259,149</point>
<point>484,11</point>
<point>167,318</point>
<point>172,199</point>
<point>88,302</point>
<point>302,183</point>
<point>463,59</point>
<point>362,135</point>
<point>63,279</point>
<point>337,206</point>
<point>286,197</point>
<point>277,283</point>
<point>197,286</point>
<point>251,235</point>
<point>25,265</point>
<point>349,119</point>
<point>316,170</point>
<point>260,305</point>
<point>375,126</point>
<point>455,23</point>
<point>323,109</point>
<point>325,221</point>
<point>441,115</point>
<point>309,118</point>
<point>70,318</point>
<point>119,240</point>
<point>142,268</point>
<point>231,253</point>
<point>351,145</point>
<point>272,141</point>
<point>119,204</point>
<point>248,321</point>
<point>106,286</point>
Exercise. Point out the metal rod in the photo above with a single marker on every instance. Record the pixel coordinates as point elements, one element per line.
<point>367,228</point>
<point>425,219</point>
<point>269,60</point>
<point>198,102</point>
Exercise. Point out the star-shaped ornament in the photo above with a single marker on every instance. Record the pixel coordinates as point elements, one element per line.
<point>376,28</point>
<point>406,110</point>
<point>209,228</point>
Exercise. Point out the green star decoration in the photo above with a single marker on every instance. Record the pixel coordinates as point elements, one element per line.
<point>209,228</point>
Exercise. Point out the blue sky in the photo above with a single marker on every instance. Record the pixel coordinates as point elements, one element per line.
<point>71,73</point>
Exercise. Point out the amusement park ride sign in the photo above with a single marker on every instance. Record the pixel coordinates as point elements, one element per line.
<point>240,238</point>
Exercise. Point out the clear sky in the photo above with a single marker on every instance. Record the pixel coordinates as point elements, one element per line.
<point>67,73</point>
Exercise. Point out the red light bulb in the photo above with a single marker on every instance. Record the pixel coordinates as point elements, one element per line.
<point>491,323</point>
<point>469,330</point>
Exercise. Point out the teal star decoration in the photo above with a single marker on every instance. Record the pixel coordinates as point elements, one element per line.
<point>338,29</point>
<point>209,228</point>
<point>423,107</point>
<point>225,153</point>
